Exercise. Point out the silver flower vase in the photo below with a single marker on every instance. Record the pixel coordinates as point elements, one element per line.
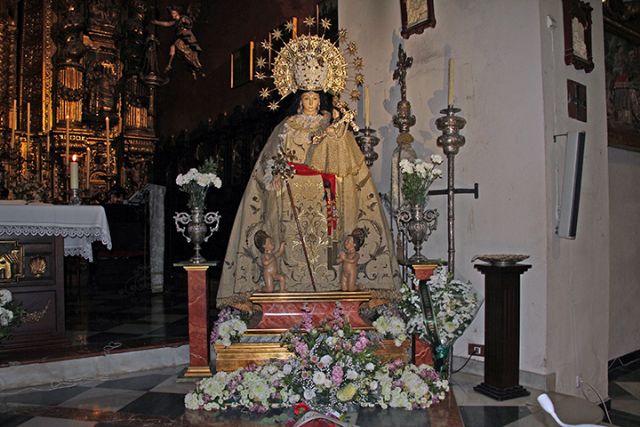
<point>199,227</point>
<point>417,223</point>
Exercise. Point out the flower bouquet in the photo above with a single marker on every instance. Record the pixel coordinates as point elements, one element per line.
<point>229,327</point>
<point>333,368</point>
<point>11,313</point>
<point>417,177</point>
<point>196,183</point>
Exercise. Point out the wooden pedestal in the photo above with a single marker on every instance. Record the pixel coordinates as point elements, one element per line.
<point>197,296</point>
<point>502,331</point>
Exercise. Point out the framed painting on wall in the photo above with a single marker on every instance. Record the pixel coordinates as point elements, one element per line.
<point>577,34</point>
<point>622,77</point>
<point>417,15</point>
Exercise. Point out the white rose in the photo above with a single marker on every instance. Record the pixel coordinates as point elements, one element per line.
<point>436,159</point>
<point>319,378</point>
<point>309,394</point>
<point>326,360</point>
<point>5,296</point>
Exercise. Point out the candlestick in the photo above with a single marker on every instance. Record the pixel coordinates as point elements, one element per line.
<point>366,106</point>
<point>73,168</point>
<point>108,144</point>
<point>28,130</point>
<point>66,158</point>
<point>450,83</point>
<point>88,165</point>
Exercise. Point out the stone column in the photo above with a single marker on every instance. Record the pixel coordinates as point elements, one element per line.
<point>156,238</point>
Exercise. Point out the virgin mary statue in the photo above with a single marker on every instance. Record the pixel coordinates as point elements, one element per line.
<point>327,193</point>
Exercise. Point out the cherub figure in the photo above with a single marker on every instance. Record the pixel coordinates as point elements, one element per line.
<point>185,41</point>
<point>349,260</point>
<point>269,260</point>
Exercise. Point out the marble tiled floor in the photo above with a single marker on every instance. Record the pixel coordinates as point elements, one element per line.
<point>155,398</point>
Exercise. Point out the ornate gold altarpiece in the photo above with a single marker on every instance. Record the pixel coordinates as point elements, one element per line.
<point>77,77</point>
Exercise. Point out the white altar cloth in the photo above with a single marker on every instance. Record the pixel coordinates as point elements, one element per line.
<point>79,225</point>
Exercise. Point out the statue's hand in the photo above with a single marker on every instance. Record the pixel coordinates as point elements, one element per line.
<point>277,183</point>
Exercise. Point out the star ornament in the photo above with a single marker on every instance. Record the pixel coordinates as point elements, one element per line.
<point>359,79</point>
<point>309,21</point>
<point>261,62</point>
<point>358,63</point>
<point>325,23</point>
<point>352,48</point>
<point>273,106</point>
<point>265,44</point>
<point>276,34</point>
<point>260,75</point>
<point>342,34</point>
<point>289,26</point>
<point>264,93</point>
<point>354,94</point>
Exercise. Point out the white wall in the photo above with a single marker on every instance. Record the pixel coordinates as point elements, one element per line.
<point>499,86</point>
<point>578,270</point>
<point>624,199</point>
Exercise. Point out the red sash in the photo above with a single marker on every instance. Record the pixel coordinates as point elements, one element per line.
<point>329,183</point>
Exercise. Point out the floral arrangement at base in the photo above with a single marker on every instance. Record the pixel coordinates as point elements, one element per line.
<point>11,313</point>
<point>417,177</point>
<point>333,368</point>
<point>229,327</point>
<point>196,183</point>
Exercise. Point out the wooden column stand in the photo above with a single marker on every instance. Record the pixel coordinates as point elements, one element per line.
<point>502,331</point>
<point>197,296</point>
<point>422,353</point>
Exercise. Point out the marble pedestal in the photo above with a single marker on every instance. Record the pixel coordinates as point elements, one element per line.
<point>198,319</point>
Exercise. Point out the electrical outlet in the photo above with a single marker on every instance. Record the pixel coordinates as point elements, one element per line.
<point>476,350</point>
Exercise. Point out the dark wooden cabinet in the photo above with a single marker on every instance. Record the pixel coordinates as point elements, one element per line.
<point>40,289</point>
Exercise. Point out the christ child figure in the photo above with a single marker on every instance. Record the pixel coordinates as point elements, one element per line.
<point>349,260</point>
<point>269,260</point>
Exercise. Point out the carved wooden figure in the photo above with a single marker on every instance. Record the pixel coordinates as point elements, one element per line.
<point>269,260</point>
<point>349,260</point>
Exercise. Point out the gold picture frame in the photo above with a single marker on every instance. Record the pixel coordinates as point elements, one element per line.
<point>417,15</point>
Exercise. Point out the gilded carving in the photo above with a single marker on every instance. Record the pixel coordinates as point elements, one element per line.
<point>11,257</point>
<point>38,265</point>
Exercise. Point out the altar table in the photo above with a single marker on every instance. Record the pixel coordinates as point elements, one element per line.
<point>79,225</point>
<point>33,242</point>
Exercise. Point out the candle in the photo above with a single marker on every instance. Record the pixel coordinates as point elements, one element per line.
<point>66,158</point>
<point>74,172</point>
<point>88,165</point>
<point>108,144</point>
<point>366,106</point>
<point>14,119</point>
<point>451,73</point>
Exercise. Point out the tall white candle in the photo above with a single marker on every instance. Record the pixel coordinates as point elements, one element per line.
<point>88,165</point>
<point>366,106</point>
<point>74,172</point>
<point>450,84</point>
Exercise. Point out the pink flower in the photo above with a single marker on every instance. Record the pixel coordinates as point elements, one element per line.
<point>337,375</point>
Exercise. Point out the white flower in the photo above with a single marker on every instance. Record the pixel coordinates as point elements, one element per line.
<point>369,367</point>
<point>5,316</point>
<point>331,341</point>
<point>436,159</point>
<point>286,369</point>
<point>373,385</point>
<point>326,360</point>
<point>202,180</point>
<point>217,182</point>
<point>180,180</point>
<point>351,374</point>
<point>319,378</point>
<point>309,394</point>
<point>193,401</point>
<point>5,297</point>
<point>437,173</point>
<point>340,333</point>
<point>406,166</point>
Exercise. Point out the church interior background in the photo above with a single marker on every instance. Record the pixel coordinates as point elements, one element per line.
<point>86,94</point>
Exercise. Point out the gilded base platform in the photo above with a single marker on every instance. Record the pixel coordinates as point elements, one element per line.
<point>194,373</point>
<point>240,355</point>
